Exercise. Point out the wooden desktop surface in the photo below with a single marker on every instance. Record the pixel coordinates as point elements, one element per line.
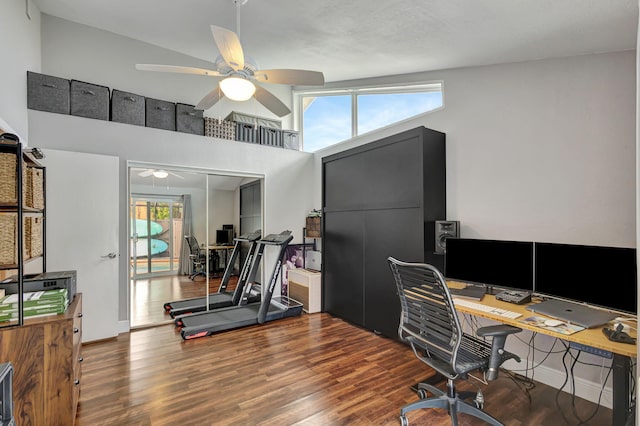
<point>219,247</point>
<point>593,337</point>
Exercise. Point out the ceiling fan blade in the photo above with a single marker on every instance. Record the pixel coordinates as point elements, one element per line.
<point>146,173</point>
<point>209,99</point>
<point>229,47</point>
<point>177,69</point>
<point>175,174</point>
<point>271,102</point>
<point>292,77</point>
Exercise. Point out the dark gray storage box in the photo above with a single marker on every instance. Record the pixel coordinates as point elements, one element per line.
<point>189,119</point>
<point>89,100</point>
<point>291,139</point>
<point>246,132</point>
<point>127,108</point>
<point>160,114</point>
<point>48,93</point>
<point>271,137</point>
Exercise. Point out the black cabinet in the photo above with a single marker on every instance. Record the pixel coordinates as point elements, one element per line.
<point>379,200</point>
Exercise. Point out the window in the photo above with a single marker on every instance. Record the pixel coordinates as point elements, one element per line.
<point>326,117</point>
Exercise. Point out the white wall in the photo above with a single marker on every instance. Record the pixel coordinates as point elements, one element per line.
<point>221,211</point>
<point>536,151</point>
<point>20,51</point>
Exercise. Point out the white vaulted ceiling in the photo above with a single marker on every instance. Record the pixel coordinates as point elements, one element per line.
<point>352,39</point>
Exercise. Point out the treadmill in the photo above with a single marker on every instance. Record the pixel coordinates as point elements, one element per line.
<point>245,314</point>
<point>222,298</point>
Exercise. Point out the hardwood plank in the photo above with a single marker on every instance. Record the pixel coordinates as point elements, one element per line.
<point>311,370</point>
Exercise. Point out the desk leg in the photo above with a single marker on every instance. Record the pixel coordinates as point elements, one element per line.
<point>621,389</point>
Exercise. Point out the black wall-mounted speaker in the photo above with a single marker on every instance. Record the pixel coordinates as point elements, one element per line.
<point>445,229</point>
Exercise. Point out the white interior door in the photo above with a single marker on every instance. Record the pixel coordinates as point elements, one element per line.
<point>82,232</point>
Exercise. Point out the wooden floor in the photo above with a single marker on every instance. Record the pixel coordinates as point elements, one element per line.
<point>309,370</point>
<point>148,296</point>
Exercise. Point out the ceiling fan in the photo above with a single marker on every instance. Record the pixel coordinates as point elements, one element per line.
<point>240,73</point>
<point>158,173</point>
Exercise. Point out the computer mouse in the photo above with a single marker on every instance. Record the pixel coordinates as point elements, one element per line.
<point>553,322</point>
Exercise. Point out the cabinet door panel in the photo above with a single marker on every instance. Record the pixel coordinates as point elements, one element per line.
<point>390,232</point>
<point>342,265</point>
<point>383,176</point>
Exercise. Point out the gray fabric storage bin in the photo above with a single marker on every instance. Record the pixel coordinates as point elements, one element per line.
<point>291,139</point>
<point>271,137</point>
<point>160,114</point>
<point>48,93</point>
<point>189,119</point>
<point>246,132</point>
<point>89,100</point>
<point>252,119</point>
<point>127,108</point>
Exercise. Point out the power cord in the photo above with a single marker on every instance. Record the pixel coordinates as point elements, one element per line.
<point>569,374</point>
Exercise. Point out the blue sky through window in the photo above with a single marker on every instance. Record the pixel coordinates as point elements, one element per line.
<point>327,120</point>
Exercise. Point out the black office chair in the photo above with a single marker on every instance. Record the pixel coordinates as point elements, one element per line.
<point>429,323</point>
<point>198,258</point>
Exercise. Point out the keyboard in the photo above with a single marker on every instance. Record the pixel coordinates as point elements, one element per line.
<point>485,308</point>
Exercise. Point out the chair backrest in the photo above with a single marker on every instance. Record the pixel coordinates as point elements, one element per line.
<point>194,248</point>
<point>428,320</point>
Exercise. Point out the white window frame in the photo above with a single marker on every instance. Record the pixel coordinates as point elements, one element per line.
<point>299,94</point>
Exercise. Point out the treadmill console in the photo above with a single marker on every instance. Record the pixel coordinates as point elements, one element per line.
<point>277,238</point>
<point>252,236</point>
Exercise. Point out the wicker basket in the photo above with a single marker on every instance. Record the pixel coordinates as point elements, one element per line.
<point>8,192</point>
<point>313,227</point>
<point>33,240</point>
<point>8,233</point>
<point>34,193</point>
<point>223,129</point>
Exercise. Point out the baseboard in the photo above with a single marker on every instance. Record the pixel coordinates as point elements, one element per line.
<point>555,378</point>
<point>123,326</point>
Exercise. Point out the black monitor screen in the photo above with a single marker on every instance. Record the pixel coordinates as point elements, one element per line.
<point>499,263</point>
<point>603,276</point>
<point>224,236</point>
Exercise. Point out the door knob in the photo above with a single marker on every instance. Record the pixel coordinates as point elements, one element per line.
<point>111,255</point>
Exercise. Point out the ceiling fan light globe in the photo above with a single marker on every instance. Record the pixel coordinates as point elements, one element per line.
<point>237,88</point>
<point>160,174</point>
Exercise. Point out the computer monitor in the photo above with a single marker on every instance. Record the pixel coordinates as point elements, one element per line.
<point>495,263</point>
<point>597,275</point>
<point>224,236</point>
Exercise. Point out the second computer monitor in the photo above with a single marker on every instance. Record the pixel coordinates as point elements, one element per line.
<point>597,275</point>
<point>495,263</point>
<point>224,236</point>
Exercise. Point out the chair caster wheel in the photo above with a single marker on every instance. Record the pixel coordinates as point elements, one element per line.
<point>422,394</point>
<point>404,421</point>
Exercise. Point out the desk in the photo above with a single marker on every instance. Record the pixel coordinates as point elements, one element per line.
<point>214,257</point>
<point>593,337</point>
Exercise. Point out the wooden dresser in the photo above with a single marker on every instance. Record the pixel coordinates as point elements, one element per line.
<point>45,353</point>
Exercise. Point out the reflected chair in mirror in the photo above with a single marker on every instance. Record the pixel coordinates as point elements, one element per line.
<point>198,258</point>
<point>429,323</point>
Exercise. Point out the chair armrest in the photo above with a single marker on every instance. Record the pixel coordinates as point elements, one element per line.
<point>497,330</point>
<point>498,354</point>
